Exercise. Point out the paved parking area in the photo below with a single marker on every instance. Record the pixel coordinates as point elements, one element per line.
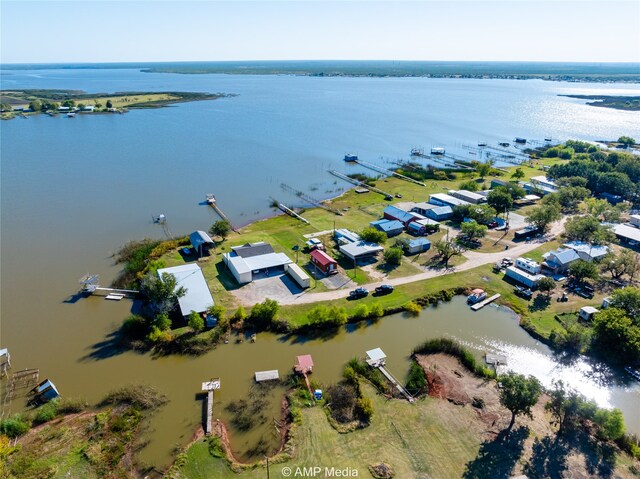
<point>281,288</point>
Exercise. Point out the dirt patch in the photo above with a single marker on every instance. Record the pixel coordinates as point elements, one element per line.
<point>450,380</point>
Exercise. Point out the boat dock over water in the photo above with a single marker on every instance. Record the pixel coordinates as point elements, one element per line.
<point>209,387</point>
<point>482,304</point>
<point>211,201</point>
<point>387,196</point>
<point>387,172</point>
<point>376,359</point>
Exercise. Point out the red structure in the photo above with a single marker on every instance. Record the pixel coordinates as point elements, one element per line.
<point>304,364</point>
<point>324,262</point>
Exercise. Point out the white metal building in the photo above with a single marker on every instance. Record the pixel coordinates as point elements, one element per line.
<point>198,297</point>
<point>469,196</point>
<point>243,261</point>
<point>528,265</point>
<point>522,277</point>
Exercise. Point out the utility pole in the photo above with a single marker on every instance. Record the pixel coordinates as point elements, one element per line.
<point>267,458</point>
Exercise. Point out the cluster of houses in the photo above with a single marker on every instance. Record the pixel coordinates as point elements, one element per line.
<point>556,263</point>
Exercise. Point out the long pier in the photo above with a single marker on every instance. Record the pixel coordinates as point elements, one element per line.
<point>310,199</point>
<point>211,201</point>
<point>360,183</point>
<point>387,172</point>
<point>482,304</point>
<point>395,382</point>
<point>435,158</point>
<point>291,213</point>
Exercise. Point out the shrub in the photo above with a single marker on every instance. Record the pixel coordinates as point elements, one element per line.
<point>393,256</point>
<point>376,311</point>
<point>412,308</point>
<point>162,322</point>
<point>46,412</point>
<point>215,446</point>
<point>416,379</point>
<point>71,405</point>
<point>361,312</point>
<point>141,396</point>
<point>364,409</point>
<point>239,315</point>
<point>195,321</point>
<point>263,314</point>
<point>372,235</point>
<point>14,426</point>
<point>470,185</point>
<point>158,336</point>
<point>135,327</point>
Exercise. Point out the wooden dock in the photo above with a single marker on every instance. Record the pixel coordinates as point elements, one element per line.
<point>211,201</point>
<point>482,304</point>
<point>397,384</point>
<point>495,359</point>
<point>267,375</point>
<point>377,359</point>
<point>360,184</point>
<point>388,172</point>
<point>309,199</point>
<point>292,213</point>
<point>209,387</point>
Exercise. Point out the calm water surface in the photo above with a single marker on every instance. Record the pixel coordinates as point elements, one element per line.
<point>74,190</point>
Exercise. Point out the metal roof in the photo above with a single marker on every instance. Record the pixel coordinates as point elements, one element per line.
<point>628,232</point>
<point>348,235</point>
<point>390,225</point>
<point>198,297</point>
<point>376,354</point>
<point>198,238</point>
<point>589,309</point>
<point>398,214</point>
<point>419,242</point>
<point>593,250</point>
<point>448,199</point>
<point>562,256</point>
<point>252,249</point>
<point>305,361</point>
<point>322,257</point>
<point>267,375</point>
<point>361,248</point>
<point>253,263</point>
<point>424,206</point>
<point>441,210</point>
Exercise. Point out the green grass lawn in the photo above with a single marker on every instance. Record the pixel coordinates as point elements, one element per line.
<point>429,439</point>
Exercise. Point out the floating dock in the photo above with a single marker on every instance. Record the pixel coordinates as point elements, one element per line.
<point>271,375</point>
<point>209,387</point>
<point>482,304</point>
<point>495,359</point>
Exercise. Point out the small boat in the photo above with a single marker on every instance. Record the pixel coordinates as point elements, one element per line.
<point>482,145</point>
<point>437,150</point>
<point>504,144</point>
<point>350,157</point>
<point>633,372</point>
<point>211,199</point>
<point>548,139</point>
<point>522,141</point>
<point>476,296</point>
<point>161,218</point>
<point>71,115</point>
<point>417,152</point>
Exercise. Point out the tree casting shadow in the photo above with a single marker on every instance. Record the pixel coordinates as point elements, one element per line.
<point>497,458</point>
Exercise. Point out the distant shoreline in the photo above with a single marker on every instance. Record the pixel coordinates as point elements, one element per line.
<point>627,103</point>
<point>550,71</point>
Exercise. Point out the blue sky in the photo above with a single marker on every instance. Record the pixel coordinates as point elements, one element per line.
<point>146,30</point>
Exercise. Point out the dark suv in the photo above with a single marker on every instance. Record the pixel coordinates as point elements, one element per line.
<point>384,289</point>
<point>359,293</point>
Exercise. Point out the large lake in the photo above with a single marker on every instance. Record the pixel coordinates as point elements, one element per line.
<point>73,190</point>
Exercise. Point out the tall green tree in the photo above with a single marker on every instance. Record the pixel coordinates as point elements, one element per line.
<point>546,285</point>
<point>447,249</point>
<point>484,169</point>
<point>220,228</point>
<point>564,405</point>
<point>500,199</point>
<point>35,105</point>
<point>393,256</point>
<point>581,270</point>
<point>587,229</point>
<point>472,231</point>
<point>518,174</point>
<point>542,216</point>
<point>163,292</point>
<point>613,330</point>
<point>519,394</point>
<point>372,235</point>
<point>628,300</point>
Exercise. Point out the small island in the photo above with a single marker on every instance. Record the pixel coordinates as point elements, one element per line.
<point>71,102</point>
<point>631,103</point>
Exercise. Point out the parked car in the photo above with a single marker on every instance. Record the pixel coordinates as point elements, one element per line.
<point>492,224</point>
<point>359,293</point>
<point>507,261</point>
<point>384,289</point>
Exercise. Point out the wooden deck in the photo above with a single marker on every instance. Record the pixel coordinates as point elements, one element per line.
<point>482,304</point>
<point>267,375</point>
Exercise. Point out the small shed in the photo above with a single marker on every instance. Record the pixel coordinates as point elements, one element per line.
<point>46,391</point>
<point>324,262</point>
<point>389,227</point>
<point>587,312</point>
<point>376,357</point>
<point>304,364</point>
<point>418,245</point>
<point>200,240</point>
<point>606,302</point>
<point>271,375</point>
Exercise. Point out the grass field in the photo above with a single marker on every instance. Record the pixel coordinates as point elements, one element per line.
<point>427,440</point>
